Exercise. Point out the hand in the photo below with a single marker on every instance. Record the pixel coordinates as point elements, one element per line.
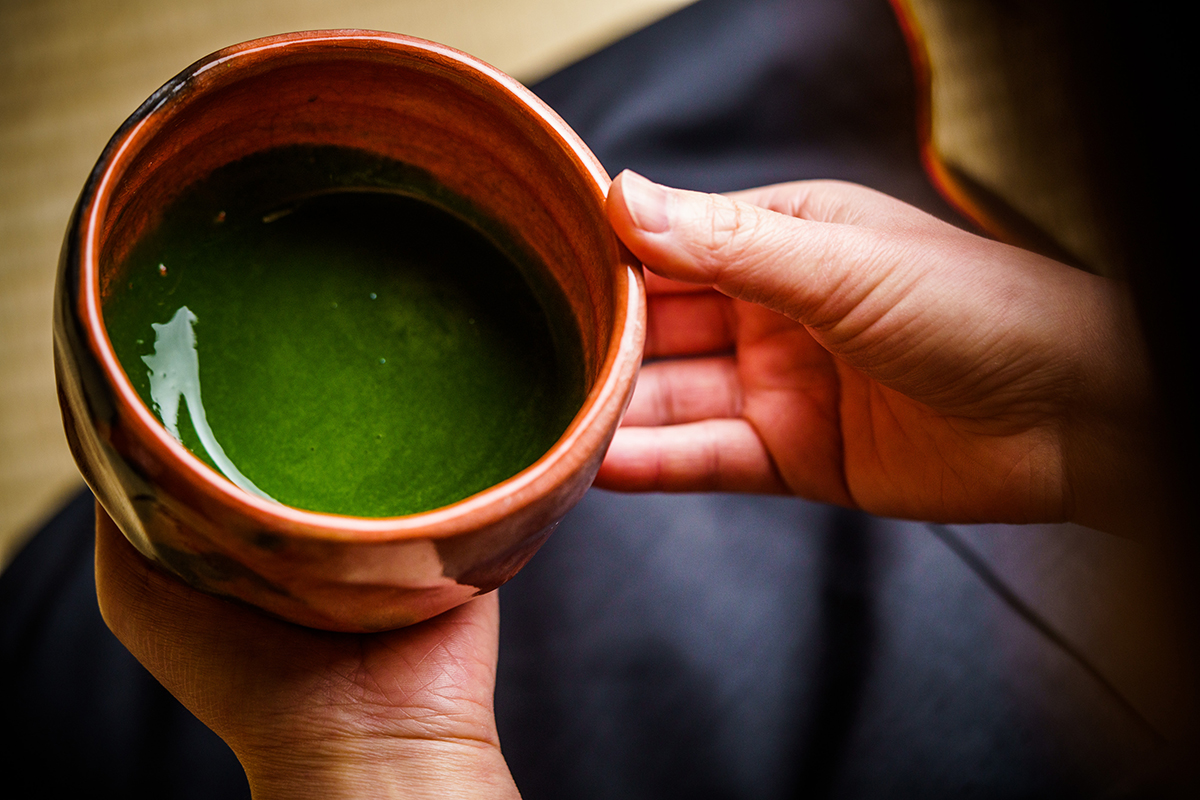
<point>823,339</point>
<point>406,713</point>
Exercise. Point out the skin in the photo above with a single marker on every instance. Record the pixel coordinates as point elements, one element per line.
<point>312,714</point>
<point>825,340</point>
<point>815,338</point>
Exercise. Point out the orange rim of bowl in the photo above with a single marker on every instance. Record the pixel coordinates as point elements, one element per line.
<point>577,445</point>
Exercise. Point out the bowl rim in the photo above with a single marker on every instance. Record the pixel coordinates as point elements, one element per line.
<point>577,445</point>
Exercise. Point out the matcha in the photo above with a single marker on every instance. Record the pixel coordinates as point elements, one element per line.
<point>350,349</point>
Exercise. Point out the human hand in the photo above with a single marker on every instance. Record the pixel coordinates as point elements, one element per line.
<point>823,339</point>
<point>407,713</point>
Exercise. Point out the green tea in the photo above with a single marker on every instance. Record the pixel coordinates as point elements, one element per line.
<point>353,350</point>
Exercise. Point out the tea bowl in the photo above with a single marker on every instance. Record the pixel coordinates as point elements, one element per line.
<point>459,124</point>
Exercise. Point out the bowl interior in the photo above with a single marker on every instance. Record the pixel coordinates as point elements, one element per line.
<point>472,142</point>
<point>414,117</point>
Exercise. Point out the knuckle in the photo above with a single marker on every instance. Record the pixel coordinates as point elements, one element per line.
<point>732,228</point>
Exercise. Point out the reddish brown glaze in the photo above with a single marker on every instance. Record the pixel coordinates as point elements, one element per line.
<point>477,132</point>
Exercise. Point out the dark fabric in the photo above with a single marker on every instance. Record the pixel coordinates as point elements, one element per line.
<point>85,718</point>
<point>703,646</point>
<point>751,647</point>
<point>731,94</point>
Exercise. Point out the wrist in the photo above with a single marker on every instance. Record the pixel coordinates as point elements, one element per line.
<point>412,769</point>
<point>1110,445</point>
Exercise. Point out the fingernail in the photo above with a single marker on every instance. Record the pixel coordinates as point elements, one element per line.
<point>646,203</point>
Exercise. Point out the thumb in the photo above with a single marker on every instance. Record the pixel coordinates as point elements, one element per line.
<point>812,271</point>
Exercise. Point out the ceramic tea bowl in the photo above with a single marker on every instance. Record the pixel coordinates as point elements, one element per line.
<point>467,128</point>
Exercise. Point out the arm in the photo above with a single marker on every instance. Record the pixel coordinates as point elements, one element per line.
<point>823,339</point>
<point>404,714</point>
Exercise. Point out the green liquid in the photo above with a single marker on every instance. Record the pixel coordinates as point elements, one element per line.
<point>356,352</point>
